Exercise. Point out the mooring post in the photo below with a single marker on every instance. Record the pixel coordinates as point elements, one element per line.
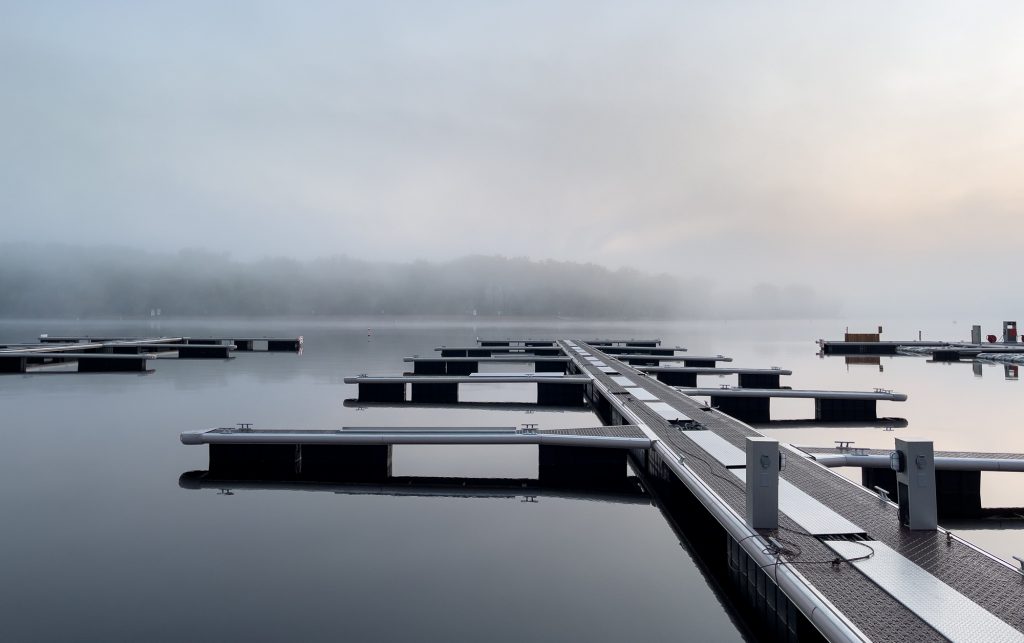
<point>762,483</point>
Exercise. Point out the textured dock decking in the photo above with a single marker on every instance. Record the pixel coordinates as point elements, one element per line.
<point>981,578</point>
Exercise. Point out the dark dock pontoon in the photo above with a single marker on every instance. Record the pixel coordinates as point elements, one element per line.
<point>30,361</point>
<point>687,375</point>
<point>552,389</point>
<point>467,365</point>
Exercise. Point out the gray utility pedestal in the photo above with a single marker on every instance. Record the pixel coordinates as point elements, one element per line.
<point>763,483</point>
<point>914,463</point>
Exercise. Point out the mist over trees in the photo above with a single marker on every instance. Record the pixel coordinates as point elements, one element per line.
<point>63,281</point>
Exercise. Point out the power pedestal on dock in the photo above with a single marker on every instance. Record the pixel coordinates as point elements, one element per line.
<point>914,463</point>
<point>763,483</point>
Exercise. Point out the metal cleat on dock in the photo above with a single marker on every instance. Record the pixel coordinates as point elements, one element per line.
<point>527,429</point>
<point>1021,561</point>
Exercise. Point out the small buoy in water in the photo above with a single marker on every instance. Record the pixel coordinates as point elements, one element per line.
<point>369,331</point>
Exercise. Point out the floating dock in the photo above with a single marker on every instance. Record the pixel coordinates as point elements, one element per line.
<point>240,342</point>
<point>365,453</point>
<point>642,343</point>
<point>32,361</point>
<point>957,474</point>
<point>467,365</point>
<point>122,354</point>
<point>753,405</point>
<point>687,375</point>
<point>812,553</point>
<point>552,388</point>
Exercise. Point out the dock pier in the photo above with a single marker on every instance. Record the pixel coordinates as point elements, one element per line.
<point>26,361</point>
<point>687,375</point>
<point>239,342</point>
<point>360,454</point>
<point>470,365</point>
<point>124,354</point>
<point>835,561</point>
<point>553,389</point>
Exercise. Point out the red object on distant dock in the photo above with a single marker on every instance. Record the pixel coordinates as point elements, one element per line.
<point>992,339</point>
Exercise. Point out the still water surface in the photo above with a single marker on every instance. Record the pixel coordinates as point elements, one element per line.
<point>100,542</point>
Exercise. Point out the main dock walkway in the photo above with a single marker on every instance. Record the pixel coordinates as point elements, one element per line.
<point>915,586</point>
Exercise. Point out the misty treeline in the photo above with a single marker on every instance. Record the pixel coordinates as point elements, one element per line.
<point>62,281</point>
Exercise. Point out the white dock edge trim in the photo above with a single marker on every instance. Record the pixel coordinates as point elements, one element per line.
<point>952,614</point>
<point>832,623</point>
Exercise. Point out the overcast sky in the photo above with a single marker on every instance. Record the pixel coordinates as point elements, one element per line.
<point>877,148</point>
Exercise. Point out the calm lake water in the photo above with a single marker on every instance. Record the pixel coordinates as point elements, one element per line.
<point>101,543</point>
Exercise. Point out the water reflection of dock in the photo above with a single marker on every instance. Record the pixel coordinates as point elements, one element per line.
<point>623,490</point>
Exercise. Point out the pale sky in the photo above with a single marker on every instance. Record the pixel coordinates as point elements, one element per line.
<point>875,150</point>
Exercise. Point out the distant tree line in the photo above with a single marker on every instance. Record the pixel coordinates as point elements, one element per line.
<point>101,282</point>
<point>73,281</point>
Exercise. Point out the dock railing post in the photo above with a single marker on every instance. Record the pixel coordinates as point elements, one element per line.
<point>762,483</point>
